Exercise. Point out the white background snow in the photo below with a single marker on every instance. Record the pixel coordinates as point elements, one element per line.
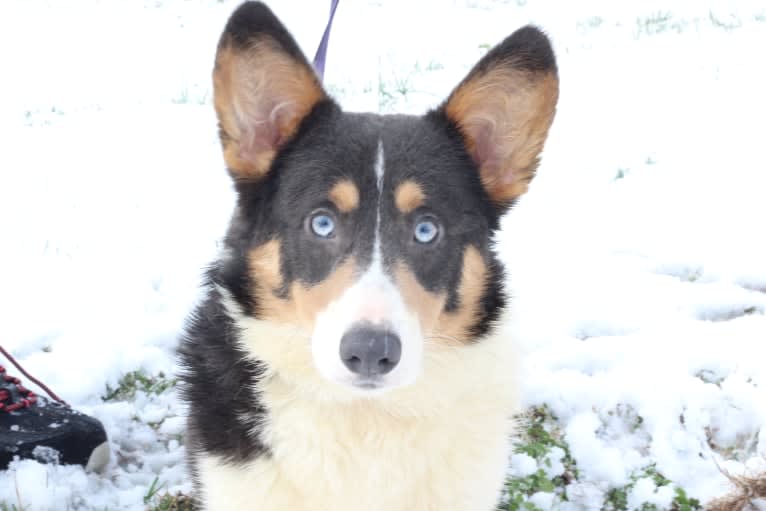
<point>637,261</point>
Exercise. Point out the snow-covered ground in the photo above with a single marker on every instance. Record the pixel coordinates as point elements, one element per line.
<point>637,261</point>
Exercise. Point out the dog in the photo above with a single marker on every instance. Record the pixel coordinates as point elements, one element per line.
<point>349,354</point>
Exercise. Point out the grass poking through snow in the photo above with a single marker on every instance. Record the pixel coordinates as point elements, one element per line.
<point>172,502</point>
<point>135,381</point>
<point>166,501</point>
<point>551,483</point>
<point>542,440</point>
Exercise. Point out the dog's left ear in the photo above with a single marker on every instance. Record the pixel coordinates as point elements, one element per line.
<point>263,86</point>
<point>504,108</point>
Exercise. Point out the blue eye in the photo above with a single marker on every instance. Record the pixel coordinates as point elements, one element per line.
<point>425,231</point>
<point>322,225</point>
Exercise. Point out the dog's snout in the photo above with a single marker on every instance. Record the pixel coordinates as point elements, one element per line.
<point>370,352</point>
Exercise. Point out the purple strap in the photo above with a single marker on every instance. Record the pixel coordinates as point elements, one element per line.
<point>321,55</point>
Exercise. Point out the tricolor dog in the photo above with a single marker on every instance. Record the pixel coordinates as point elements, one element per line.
<point>348,355</point>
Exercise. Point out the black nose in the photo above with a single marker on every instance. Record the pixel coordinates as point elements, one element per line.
<point>369,351</point>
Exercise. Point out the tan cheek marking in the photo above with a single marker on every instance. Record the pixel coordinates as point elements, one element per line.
<point>303,302</point>
<point>473,283</point>
<point>446,327</point>
<point>427,305</point>
<point>310,301</point>
<point>345,195</point>
<point>266,273</point>
<point>409,196</point>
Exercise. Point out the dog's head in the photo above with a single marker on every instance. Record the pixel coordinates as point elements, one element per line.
<point>368,237</point>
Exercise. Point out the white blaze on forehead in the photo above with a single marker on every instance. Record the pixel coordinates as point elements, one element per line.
<point>379,165</point>
<point>373,299</point>
<point>380,168</point>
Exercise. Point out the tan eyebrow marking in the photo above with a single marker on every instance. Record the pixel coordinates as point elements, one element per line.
<point>409,196</point>
<point>345,195</point>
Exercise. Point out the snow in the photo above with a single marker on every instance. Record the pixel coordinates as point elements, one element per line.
<point>523,465</point>
<point>543,500</point>
<point>645,490</point>
<point>637,260</point>
<point>554,467</point>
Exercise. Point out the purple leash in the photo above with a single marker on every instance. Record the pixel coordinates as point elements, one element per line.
<point>321,55</point>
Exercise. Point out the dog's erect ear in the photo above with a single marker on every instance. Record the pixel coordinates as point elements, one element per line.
<point>264,87</point>
<point>504,108</point>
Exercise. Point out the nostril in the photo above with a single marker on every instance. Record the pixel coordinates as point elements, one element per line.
<point>354,363</point>
<point>386,366</point>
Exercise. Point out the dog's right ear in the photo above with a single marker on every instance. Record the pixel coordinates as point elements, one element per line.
<point>504,109</point>
<point>263,87</point>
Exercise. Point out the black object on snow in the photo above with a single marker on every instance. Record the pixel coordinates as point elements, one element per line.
<point>47,431</point>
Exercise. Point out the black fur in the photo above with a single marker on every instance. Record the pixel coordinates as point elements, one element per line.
<point>526,49</point>
<point>253,20</point>
<point>218,383</point>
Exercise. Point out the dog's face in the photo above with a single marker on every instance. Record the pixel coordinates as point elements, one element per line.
<point>370,235</point>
